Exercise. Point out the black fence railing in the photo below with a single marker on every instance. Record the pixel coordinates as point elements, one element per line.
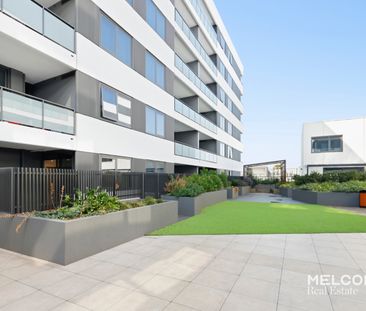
<point>35,189</point>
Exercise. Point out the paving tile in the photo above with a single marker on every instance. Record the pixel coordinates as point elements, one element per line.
<point>341,303</point>
<point>80,265</point>
<point>181,272</point>
<point>68,306</point>
<point>234,255</point>
<point>4,280</point>
<point>301,266</point>
<point>101,297</point>
<point>101,271</point>
<point>126,259</point>
<point>264,260</point>
<point>70,287</point>
<point>201,297</point>
<point>130,278</point>
<point>215,279</point>
<point>296,297</point>
<point>151,264</point>
<point>24,271</point>
<point>227,266</point>
<point>14,291</point>
<point>264,273</point>
<point>177,307</point>
<point>258,289</point>
<point>235,302</point>
<point>139,302</point>
<point>46,278</point>
<point>163,287</point>
<point>298,279</point>
<point>37,301</point>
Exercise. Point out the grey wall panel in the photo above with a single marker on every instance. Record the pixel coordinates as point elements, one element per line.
<point>60,90</point>
<point>66,10</point>
<point>169,128</point>
<point>87,94</point>
<point>87,20</point>
<point>191,102</point>
<point>169,35</point>
<point>140,7</point>
<point>211,115</point>
<point>138,165</point>
<point>189,138</point>
<point>86,161</point>
<point>17,80</point>
<point>138,116</point>
<point>138,57</point>
<point>209,145</point>
<point>169,81</point>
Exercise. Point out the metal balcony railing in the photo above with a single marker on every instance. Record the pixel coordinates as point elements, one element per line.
<point>40,19</point>
<point>24,109</point>
<point>194,153</point>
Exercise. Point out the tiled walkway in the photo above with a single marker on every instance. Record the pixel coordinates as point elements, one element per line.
<point>243,272</point>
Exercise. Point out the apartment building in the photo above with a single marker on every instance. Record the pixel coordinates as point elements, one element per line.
<point>334,145</point>
<point>135,85</point>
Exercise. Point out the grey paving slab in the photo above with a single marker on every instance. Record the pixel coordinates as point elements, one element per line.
<point>182,273</point>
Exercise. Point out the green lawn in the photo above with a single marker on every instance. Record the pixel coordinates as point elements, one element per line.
<point>250,217</point>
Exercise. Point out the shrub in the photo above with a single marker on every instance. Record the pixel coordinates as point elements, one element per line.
<point>329,177</point>
<point>190,190</point>
<point>238,183</point>
<point>348,186</point>
<point>224,179</point>
<point>289,185</point>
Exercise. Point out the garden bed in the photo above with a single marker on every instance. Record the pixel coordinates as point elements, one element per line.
<point>66,241</point>
<point>286,192</point>
<point>190,206</point>
<point>232,192</point>
<point>345,199</point>
<point>264,188</point>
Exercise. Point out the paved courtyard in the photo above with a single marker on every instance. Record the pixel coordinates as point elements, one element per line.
<point>236,272</point>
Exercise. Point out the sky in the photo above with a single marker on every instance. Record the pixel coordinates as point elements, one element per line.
<point>304,61</point>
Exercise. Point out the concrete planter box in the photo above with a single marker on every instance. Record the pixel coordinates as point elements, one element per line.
<point>265,188</point>
<point>188,206</point>
<point>286,192</point>
<point>243,190</point>
<point>64,242</point>
<point>327,198</point>
<point>232,193</point>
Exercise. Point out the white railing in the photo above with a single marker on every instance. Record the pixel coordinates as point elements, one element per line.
<point>23,109</point>
<point>41,20</point>
<point>194,116</point>
<point>191,37</point>
<point>193,77</point>
<point>194,153</point>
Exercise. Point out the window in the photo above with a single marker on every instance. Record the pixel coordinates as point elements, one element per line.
<point>4,76</point>
<point>155,122</point>
<point>221,149</point>
<point>155,18</point>
<point>111,163</point>
<point>326,144</point>
<point>230,128</point>
<point>222,122</point>
<point>115,40</point>
<point>154,70</point>
<point>229,152</point>
<point>154,167</point>
<point>221,94</point>
<point>115,106</point>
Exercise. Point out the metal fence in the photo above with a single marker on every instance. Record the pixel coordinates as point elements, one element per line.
<point>35,189</point>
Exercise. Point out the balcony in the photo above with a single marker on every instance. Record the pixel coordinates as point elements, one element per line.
<point>193,77</point>
<point>187,31</point>
<point>194,153</point>
<point>205,20</point>
<point>23,109</point>
<point>194,116</point>
<point>41,20</point>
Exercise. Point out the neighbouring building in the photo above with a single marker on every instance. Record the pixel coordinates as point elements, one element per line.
<point>334,145</point>
<point>138,85</point>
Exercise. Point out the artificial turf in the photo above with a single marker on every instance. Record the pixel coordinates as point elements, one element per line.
<point>232,217</point>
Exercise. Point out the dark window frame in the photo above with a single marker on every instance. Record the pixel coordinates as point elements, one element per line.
<point>328,139</point>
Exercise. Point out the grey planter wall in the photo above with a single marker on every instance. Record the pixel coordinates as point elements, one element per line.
<point>327,198</point>
<point>64,242</point>
<point>265,188</point>
<point>231,194</point>
<point>243,190</point>
<point>188,206</point>
<point>286,192</point>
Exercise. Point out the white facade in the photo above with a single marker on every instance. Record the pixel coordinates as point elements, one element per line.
<point>67,58</point>
<point>334,145</point>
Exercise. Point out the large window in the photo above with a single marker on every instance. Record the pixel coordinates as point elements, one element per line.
<point>116,106</point>
<point>4,76</point>
<point>155,122</point>
<point>154,70</point>
<point>155,18</point>
<point>154,167</point>
<point>326,144</point>
<point>221,149</point>
<point>115,40</point>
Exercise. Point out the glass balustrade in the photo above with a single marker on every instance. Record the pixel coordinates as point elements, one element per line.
<point>193,77</point>
<point>187,31</point>
<point>31,111</point>
<point>194,153</point>
<point>41,20</point>
<point>194,116</point>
